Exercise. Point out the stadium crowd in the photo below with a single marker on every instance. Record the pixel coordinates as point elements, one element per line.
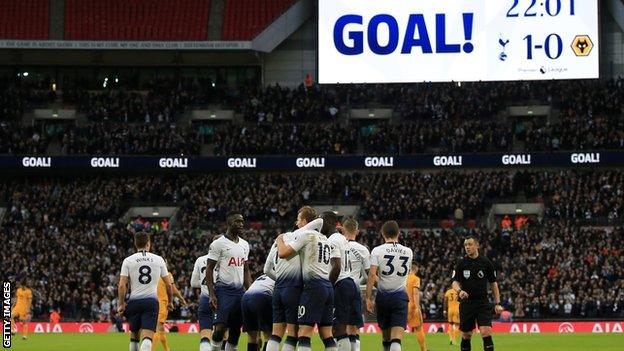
<point>434,118</point>
<point>64,234</point>
<point>117,139</point>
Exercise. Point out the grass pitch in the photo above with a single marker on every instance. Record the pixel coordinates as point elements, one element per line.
<point>370,342</point>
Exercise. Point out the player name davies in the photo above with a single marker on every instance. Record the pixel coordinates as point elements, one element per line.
<point>516,159</point>
<point>396,250</point>
<point>105,162</point>
<point>239,162</point>
<point>179,162</point>
<point>37,162</point>
<point>310,162</point>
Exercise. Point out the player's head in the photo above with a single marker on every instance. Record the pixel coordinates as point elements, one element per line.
<point>330,220</point>
<point>235,223</point>
<point>351,228</point>
<point>142,241</point>
<point>471,245</point>
<point>414,269</point>
<point>390,230</point>
<point>305,215</point>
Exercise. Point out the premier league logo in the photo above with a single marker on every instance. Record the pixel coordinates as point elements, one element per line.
<point>467,273</point>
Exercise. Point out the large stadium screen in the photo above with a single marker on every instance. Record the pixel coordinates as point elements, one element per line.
<point>372,41</point>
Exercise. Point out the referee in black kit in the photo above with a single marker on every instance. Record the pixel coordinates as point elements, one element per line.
<point>470,279</point>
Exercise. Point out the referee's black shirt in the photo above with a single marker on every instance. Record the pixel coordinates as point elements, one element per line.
<point>474,275</point>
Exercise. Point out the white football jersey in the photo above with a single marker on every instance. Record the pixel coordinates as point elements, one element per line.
<point>316,253</point>
<point>144,269</point>
<point>199,274</point>
<point>230,257</point>
<point>394,261</point>
<point>287,271</point>
<point>342,245</point>
<point>263,284</point>
<point>360,261</point>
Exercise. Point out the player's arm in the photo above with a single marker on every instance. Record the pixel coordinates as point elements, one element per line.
<point>122,287</point>
<point>269,265</point>
<point>494,285</point>
<point>246,275</point>
<point>457,282</point>
<point>210,265</point>
<point>121,293</point>
<point>335,269</point>
<point>168,279</point>
<point>283,250</point>
<point>196,275</point>
<point>416,296</point>
<point>372,275</point>
<point>176,292</point>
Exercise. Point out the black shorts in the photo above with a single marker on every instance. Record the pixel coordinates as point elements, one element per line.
<point>256,308</point>
<point>347,303</point>
<point>142,314</point>
<point>474,312</point>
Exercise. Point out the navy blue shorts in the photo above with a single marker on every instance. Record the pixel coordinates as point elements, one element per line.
<point>229,307</point>
<point>391,309</point>
<point>142,314</point>
<point>347,303</point>
<point>256,308</point>
<point>316,305</point>
<point>205,314</point>
<point>285,303</point>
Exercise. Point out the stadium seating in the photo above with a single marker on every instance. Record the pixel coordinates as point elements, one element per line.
<point>552,262</point>
<point>244,19</point>
<point>24,19</point>
<point>136,19</point>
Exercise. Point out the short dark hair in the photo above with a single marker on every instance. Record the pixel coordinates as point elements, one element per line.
<point>476,240</point>
<point>141,239</point>
<point>330,219</point>
<point>390,229</point>
<point>232,213</point>
<point>308,213</point>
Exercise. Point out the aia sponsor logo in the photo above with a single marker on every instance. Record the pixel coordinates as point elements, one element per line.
<point>566,327</point>
<point>85,328</point>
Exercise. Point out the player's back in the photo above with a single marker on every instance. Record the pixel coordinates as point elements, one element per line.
<point>316,253</point>
<point>199,275</point>
<point>262,285</point>
<point>452,299</point>
<point>341,244</point>
<point>144,271</point>
<point>394,261</point>
<point>360,261</point>
<point>24,297</point>
<point>287,270</point>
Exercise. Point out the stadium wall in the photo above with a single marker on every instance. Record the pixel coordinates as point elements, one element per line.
<point>612,44</point>
<point>289,63</point>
